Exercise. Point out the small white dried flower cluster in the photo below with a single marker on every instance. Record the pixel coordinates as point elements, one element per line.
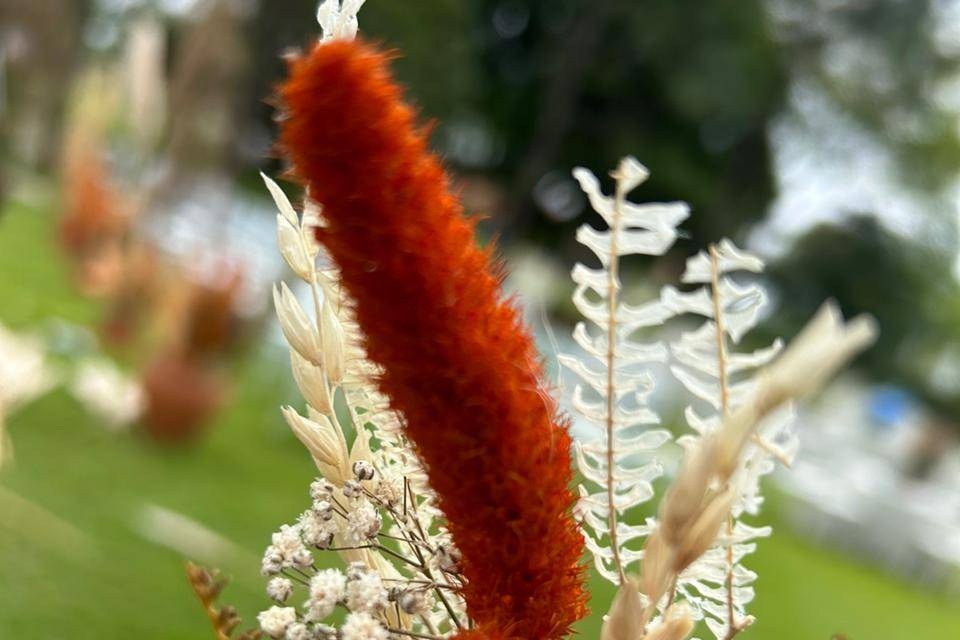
<point>372,505</point>
<point>25,369</point>
<point>25,373</point>
<point>108,393</point>
<point>286,551</point>
<point>361,591</point>
<point>377,597</point>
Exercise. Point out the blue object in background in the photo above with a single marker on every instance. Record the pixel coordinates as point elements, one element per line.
<point>889,405</point>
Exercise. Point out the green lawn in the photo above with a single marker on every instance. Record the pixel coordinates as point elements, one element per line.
<point>76,564</point>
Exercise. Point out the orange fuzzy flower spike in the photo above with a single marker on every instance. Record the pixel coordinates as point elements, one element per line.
<point>458,362</point>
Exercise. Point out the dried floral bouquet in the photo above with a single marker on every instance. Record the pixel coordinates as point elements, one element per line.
<point>452,509</point>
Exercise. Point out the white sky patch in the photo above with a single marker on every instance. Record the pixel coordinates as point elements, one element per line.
<point>827,168</point>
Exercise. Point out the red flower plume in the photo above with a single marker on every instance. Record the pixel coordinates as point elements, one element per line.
<point>458,362</point>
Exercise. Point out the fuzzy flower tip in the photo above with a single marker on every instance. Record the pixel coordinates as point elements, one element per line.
<point>457,360</point>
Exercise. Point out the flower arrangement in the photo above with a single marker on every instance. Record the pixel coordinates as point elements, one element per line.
<point>452,508</point>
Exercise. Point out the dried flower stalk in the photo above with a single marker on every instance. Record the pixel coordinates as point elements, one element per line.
<point>455,359</point>
<point>693,511</point>
<point>411,339</point>
<point>718,586</point>
<point>371,506</point>
<point>207,586</point>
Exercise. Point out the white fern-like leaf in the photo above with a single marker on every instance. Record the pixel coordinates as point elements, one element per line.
<point>618,464</point>
<point>719,380</point>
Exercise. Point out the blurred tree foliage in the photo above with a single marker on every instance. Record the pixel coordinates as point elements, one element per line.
<point>39,40</point>
<point>908,286</point>
<point>526,89</point>
<point>523,90</point>
<point>891,70</point>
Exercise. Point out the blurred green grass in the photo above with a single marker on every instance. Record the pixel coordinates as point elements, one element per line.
<point>75,563</point>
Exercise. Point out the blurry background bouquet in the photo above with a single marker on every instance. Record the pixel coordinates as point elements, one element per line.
<point>138,249</point>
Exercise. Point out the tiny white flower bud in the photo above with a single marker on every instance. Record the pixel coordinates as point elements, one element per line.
<point>325,632</point>
<point>414,602</point>
<point>355,570</point>
<point>279,589</point>
<point>316,531</point>
<point>325,541</point>
<point>272,561</point>
<point>275,620</point>
<point>363,523</point>
<point>352,489</point>
<point>327,589</point>
<point>449,558</point>
<point>287,540</point>
<point>323,509</point>
<point>298,631</point>
<point>321,489</point>
<point>302,559</point>
<point>367,593</point>
<point>363,626</point>
<point>390,489</point>
<point>363,470</point>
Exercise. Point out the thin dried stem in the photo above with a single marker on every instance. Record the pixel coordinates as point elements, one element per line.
<point>771,450</point>
<point>414,634</point>
<point>732,627</point>
<point>207,586</point>
<point>613,285</point>
<point>721,338</point>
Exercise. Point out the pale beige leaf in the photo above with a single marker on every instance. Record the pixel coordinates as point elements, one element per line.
<point>625,618</point>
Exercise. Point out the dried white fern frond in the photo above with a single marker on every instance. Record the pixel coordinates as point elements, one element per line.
<point>718,586</point>
<point>701,497</point>
<point>615,384</point>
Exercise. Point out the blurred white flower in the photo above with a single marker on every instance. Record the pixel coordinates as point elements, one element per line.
<point>24,375</point>
<point>24,370</point>
<point>107,393</point>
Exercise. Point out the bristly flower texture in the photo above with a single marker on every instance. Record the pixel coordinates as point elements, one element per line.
<point>457,361</point>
